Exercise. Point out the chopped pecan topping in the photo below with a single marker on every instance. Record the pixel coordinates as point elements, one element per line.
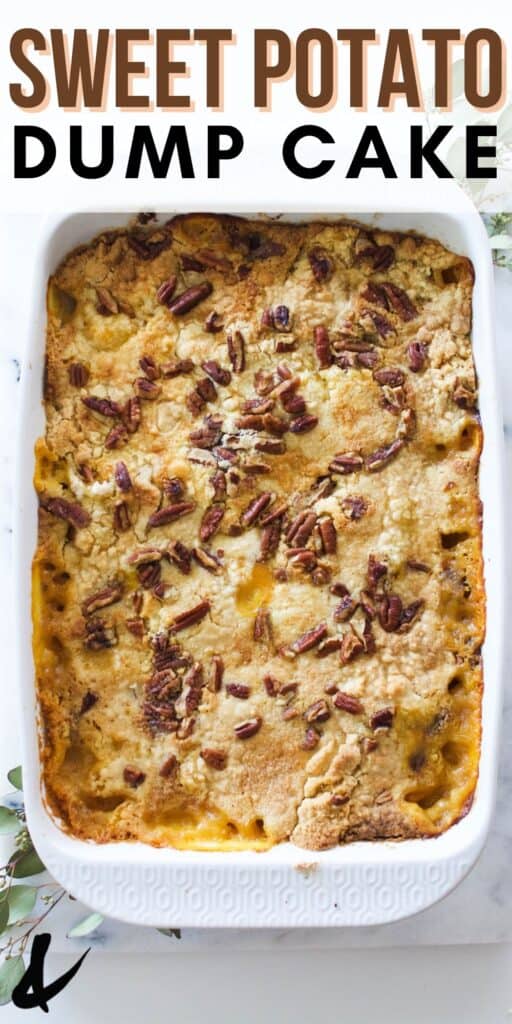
<point>390,375</point>
<point>194,402</point>
<point>169,766</point>
<point>149,367</point>
<point>311,739</point>
<point>133,777</point>
<point>263,382</point>
<point>149,248</point>
<point>207,560</point>
<point>373,292</point>
<point>131,415</point>
<point>463,395</point>
<point>309,639</point>
<point>302,558</point>
<point>389,611</point>
<point>258,406</point>
<point>216,673</point>
<point>218,482</point>
<point>381,324</point>
<point>354,507</point>
<point>368,359</point>
<point>185,728</point>
<point>382,719</point>
<point>88,701</point>
<point>383,456</point>
<point>176,367</point>
<point>285,345</point>
<point>211,521</point>
<point>328,646</point>
<point>300,529</point>
<point>216,372</point>
<point>104,406</point>
<point>209,434</point>
<point>328,535</point>
<point>147,389</point>
<point>206,389</point>
<point>256,507</point>
<point>322,347</point>
<point>399,301</point>
<point>345,702</point>
<point>294,405</point>
<point>98,636</point>
<point>239,690</point>
<point>213,323</point>
<point>236,351</point>
<point>376,571</point>
<point>321,264</point>
<point>122,477</point>
<point>345,609</point>
<point>339,589</point>
<point>106,305</point>
<point>270,538</point>
<point>380,256</point>
<point>191,616</point>
<point>262,629</point>
<point>317,712</point>
<point>346,462</point>
<point>180,555</point>
<point>70,511</point>
<point>214,758</point>
<point>173,487</point>
<point>110,594</point>
<point>411,563</point>
<point>271,685</point>
<point>244,730</point>
<point>409,614</point>
<point>135,626</point>
<point>270,445</point>
<point>417,353</point>
<point>190,298</point>
<point>78,375</point>
<point>274,424</point>
<point>149,575</point>
<point>166,290</point>
<point>169,513</point>
<point>351,647</point>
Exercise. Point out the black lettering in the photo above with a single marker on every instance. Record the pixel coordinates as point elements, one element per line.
<point>371,137</point>
<point>289,156</point>
<point>33,978</point>
<point>176,140</point>
<point>216,153</point>
<point>107,153</point>
<point>420,152</point>
<point>474,151</point>
<point>21,134</point>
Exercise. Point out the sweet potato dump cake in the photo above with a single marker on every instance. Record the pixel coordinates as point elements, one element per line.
<point>258,590</point>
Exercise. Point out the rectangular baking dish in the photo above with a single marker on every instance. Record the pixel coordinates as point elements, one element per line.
<point>359,884</point>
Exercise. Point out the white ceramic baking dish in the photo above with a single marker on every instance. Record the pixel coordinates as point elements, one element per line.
<point>358,884</point>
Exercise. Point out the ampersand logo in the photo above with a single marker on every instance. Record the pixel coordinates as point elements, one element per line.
<point>31,991</point>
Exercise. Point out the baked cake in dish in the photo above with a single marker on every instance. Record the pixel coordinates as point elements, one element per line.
<point>258,595</point>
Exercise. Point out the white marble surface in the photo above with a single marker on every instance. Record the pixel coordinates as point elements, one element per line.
<point>479,911</point>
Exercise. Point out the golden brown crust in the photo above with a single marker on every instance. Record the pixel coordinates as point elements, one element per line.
<point>225,727</point>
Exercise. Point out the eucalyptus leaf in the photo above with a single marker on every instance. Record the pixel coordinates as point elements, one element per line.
<point>8,821</point>
<point>28,864</point>
<point>15,778</point>
<point>11,972</point>
<point>21,901</point>
<point>86,926</point>
<point>4,914</point>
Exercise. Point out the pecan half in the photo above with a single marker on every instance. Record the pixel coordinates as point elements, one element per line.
<point>383,456</point>
<point>300,529</point>
<point>351,647</point>
<point>303,424</point>
<point>116,437</point>
<point>78,375</point>
<point>190,298</point>
<point>263,382</point>
<point>309,639</point>
<point>190,617</point>
<point>207,560</point>
<point>122,477</point>
<point>169,513</point>
<point>381,324</point>
<point>256,507</point>
<point>121,517</point>
<point>149,575</point>
<point>389,612</point>
<point>176,367</point>
<point>399,301</point>
<point>216,372</point>
<point>345,609</point>
<point>390,375</point>
<point>236,351</point>
<point>166,290</point>
<point>271,685</point>
<point>328,646</point>
<point>149,248</point>
<point>104,406</point>
<point>180,555</point>
<point>149,367</point>
<point>133,777</point>
<point>322,346</point>
<point>244,730</point>
<point>206,389</point>
<point>270,538</point>
<point>311,739</point>
<point>70,511</point>
<point>294,405</point>
<point>135,626</point>
<point>110,594</point>
<point>321,264</point>
<point>288,345</point>
<point>328,535</point>
<point>382,719</point>
<point>270,445</point>
<point>317,712</point>
<point>376,571</point>
<point>409,614</point>
<point>417,354</point>
<point>169,766</point>
<point>216,673</point>
<point>98,636</point>
<point>345,463</point>
<point>380,256</point>
<point>262,629</point>
<point>213,323</point>
<point>239,690</point>
<point>345,702</point>
<point>106,305</point>
<point>211,521</point>
<point>131,415</point>
<point>463,395</point>
<point>214,758</point>
<point>209,434</point>
<point>147,389</point>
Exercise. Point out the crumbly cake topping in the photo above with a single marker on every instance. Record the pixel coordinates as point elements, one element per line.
<point>258,594</point>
